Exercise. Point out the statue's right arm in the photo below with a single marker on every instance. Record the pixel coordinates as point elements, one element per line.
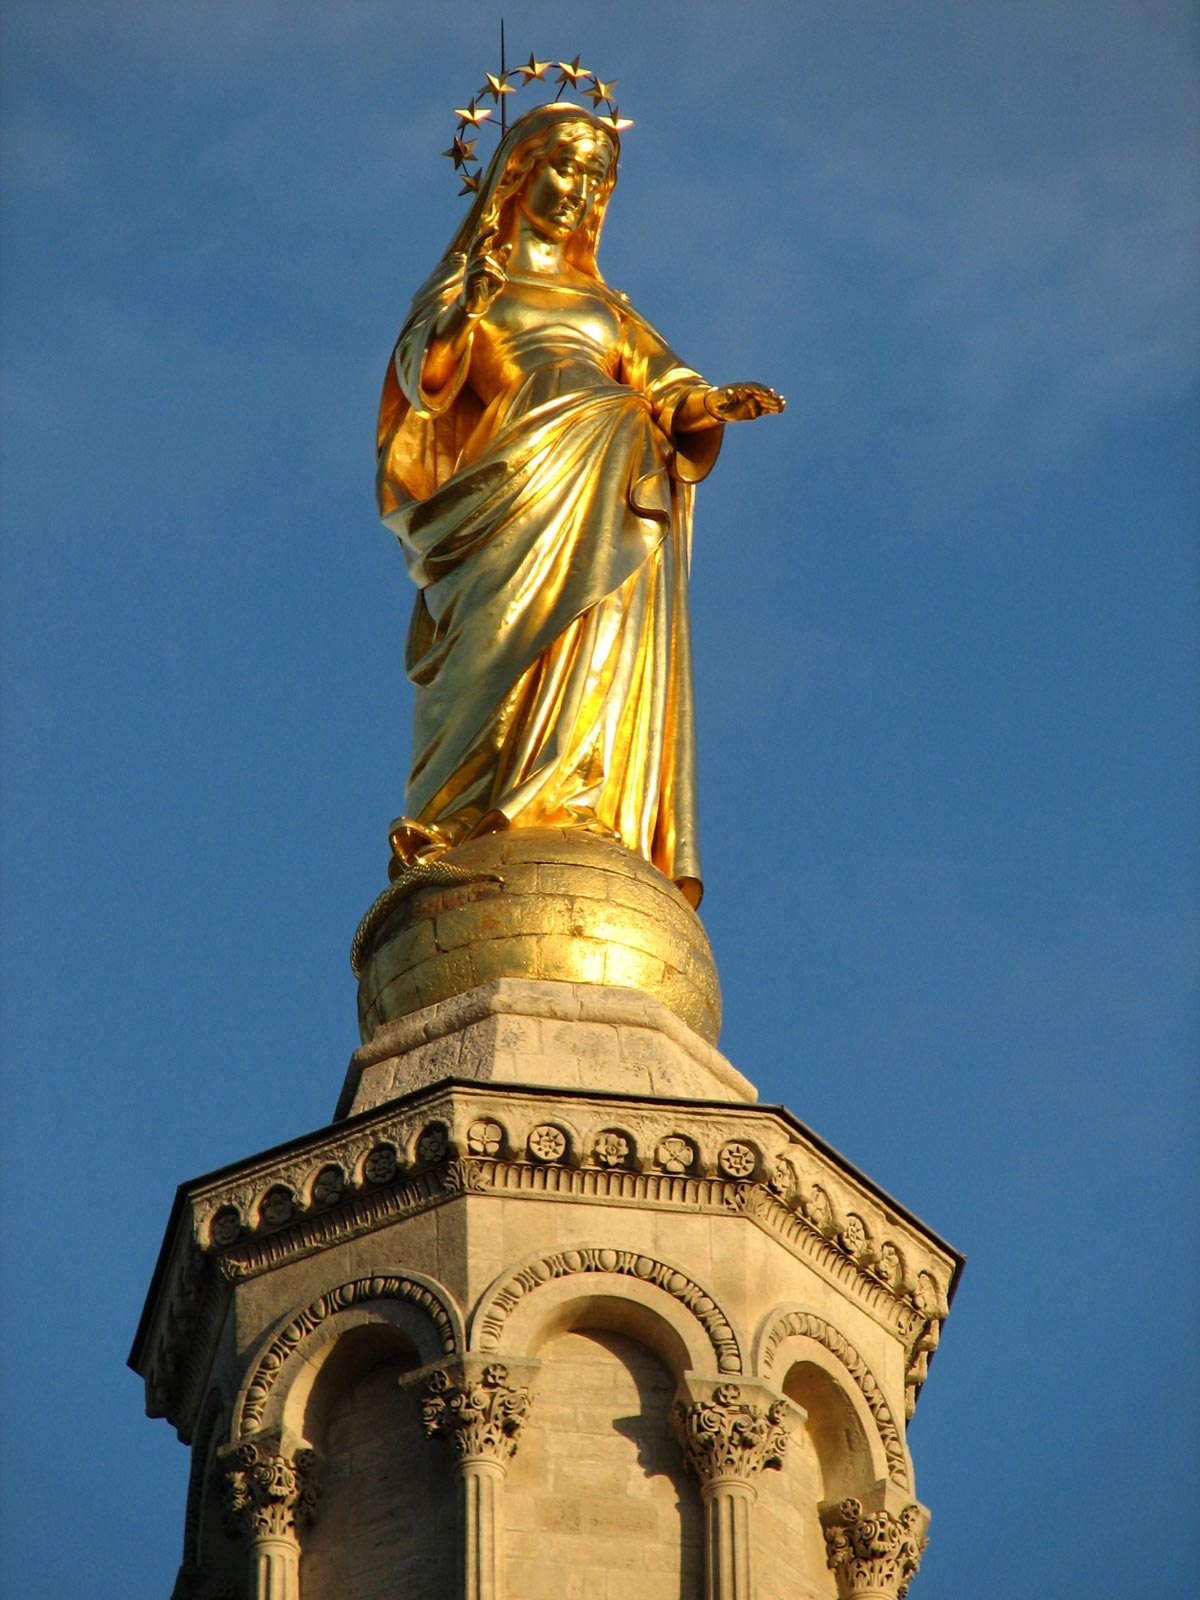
<point>483,278</point>
<point>444,351</point>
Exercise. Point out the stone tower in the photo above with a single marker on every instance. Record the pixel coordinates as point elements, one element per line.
<point>552,1310</point>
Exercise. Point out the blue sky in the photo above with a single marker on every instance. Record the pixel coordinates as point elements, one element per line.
<point>947,658</point>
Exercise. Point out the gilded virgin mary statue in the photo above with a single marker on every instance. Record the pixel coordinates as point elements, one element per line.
<point>539,446</point>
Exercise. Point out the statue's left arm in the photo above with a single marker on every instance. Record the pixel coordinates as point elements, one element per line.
<point>691,411</point>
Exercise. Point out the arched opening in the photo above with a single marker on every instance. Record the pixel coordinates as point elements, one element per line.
<point>597,1493</point>
<point>386,1521</point>
<point>828,1458</point>
<point>620,1314</point>
<point>838,1440</point>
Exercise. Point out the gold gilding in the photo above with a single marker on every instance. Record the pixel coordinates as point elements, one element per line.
<point>558,904</point>
<point>539,443</point>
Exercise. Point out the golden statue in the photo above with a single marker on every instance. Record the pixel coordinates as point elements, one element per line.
<point>538,447</point>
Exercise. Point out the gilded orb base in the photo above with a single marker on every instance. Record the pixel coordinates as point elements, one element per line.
<point>557,904</point>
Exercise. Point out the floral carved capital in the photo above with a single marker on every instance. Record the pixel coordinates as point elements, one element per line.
<point>727,1437</point>
<point>481,1419</point>
<point>872,1552</point>
<point>269,1494</point>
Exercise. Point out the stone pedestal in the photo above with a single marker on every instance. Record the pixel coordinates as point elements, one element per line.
<point>553,1308</point>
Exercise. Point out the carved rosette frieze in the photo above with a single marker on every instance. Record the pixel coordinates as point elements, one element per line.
<point>269,1493</point>
<point>482,1420</point>
<point>872,1553</point>
<point>728,1437</point>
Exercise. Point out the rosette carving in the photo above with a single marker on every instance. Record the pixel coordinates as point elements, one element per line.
<point>872,1552</point>
<point>727,1437</point>
<point>481,1419</point>
<point>269,1493</point>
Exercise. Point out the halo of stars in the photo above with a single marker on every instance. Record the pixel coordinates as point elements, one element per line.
<point>471,117</point>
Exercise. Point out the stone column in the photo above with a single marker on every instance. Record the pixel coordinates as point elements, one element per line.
<point>874,1553</point>
<point>270,1494</point>
<point>481,1416</point>
<point>727,1441</point>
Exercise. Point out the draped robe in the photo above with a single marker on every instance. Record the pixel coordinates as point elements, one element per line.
<point>543,502</point>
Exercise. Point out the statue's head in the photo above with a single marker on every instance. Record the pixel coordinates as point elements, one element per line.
<point>560,188</point>
<point>556,165</point>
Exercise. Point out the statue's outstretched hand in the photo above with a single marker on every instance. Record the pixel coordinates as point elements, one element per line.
<point>485,275</point>
<point>742,402</point>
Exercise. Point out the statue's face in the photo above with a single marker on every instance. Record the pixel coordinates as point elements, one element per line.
<point>559,190</point>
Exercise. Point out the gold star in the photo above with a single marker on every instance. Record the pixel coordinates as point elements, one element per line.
<point>600,91</point>
<point>533,69</point>
<point>497,84</point>
<point>461,151</point>
<point>571,72</point>
<point>471,114</point>
<point>470,183</point>
<point>615,120</point>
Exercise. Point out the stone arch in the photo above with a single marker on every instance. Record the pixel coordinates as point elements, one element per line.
<point>277,1391</point>
<point>855,1430</point>
<point>623,1291</point>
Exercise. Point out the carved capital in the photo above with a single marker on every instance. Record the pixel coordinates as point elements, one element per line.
<point>269,1493</point>
<point>873,1552</point>
<point>728,1437</point>
<point>481,1419</point>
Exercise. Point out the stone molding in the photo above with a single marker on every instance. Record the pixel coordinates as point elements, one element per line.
<point>794,1322</point>
<point>542,999</point>
<point>873,1552</point>
<point>489,1322</point>
<point>727,1436</point>
<point>270,1493</point>
<point>267,1370</point>
<point>481,1419</point>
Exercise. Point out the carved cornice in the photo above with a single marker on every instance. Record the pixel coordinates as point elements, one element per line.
<point>492,1316</point>
<point>190,1319</point>
<point>872,1552</point>
<point>728,1437</point>
<point>808,1325</point>
<point>482,1420</point>
<point>361,1291</point>
<point>269,1493</point>
<point>461,1139</point>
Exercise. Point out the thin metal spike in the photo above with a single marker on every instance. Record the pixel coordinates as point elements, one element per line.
<point>503,106</point>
